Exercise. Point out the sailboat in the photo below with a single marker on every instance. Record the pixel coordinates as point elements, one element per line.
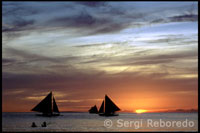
<point>93,110</point>
<point>109,109</point>
<point>47,106</point>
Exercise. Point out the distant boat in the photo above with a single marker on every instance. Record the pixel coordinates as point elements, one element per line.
<point>47,106</point>
<point>109,109</point>
<point>93,110</point>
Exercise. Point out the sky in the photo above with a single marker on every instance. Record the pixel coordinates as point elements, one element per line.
<point>143,55</point>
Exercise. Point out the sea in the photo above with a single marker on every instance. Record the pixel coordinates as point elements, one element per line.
<point>85,122</point>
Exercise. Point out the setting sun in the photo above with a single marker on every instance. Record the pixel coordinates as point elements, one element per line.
<point>140,111</point>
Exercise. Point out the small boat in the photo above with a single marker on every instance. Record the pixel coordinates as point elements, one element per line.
<point>109,109</point>
<point>44,124</point>
<point>47,106</point>
<point>33,125</point>
<point>93,110</point>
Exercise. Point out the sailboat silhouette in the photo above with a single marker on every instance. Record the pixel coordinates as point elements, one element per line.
<point>93,110</point>
<point>109,109</point>
<point>47,106</point>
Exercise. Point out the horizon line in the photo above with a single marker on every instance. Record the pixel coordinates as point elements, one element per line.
<point>195,111</point>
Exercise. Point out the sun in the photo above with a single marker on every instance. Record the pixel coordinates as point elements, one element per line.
<point>140,111</point>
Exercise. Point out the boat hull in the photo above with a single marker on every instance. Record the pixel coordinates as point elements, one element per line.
<point>107,115</point>
<point>92,113</point>
<point>48,115</point>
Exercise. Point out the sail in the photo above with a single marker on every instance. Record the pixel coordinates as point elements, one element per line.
<point>101,110</point>
<point>90,110</point>
<point>55,107</point>
<point>93,109</point>
<point>45,106</point>
<point>110,107</point>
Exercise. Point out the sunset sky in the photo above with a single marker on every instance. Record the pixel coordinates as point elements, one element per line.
<point>143,55</point>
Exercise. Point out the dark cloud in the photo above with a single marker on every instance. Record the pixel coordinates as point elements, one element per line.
<point>158,59</point>
<point>173,40</point>
<point>21,60</point>
<point>82,82</point>
<point>178,18</point>
<point>8,61</point>
<point>151,62</point>
<point>89,45</point>
<point>184,18</point>
<point>93,4</point>
<point>16,17</point>
<point>16,10</point>
<point>89,24</point>
<point>83,19</point>
<point>159,20</point>
<point>110,18</point>
<point>27,56</point>
<point>18,25</point>
<point>16,22</point>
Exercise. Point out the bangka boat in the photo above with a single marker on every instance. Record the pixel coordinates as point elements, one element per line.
<point>109,109</point>
<point>47,106</point>
<point>93,110</point>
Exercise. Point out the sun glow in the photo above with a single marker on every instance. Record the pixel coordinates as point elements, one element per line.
<point>140,111</point>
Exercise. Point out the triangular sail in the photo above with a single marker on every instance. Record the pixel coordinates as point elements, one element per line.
<point>55,107</point>
<point>45,106</point>
<point>90,110</point>
<point>101,110</point>
<point>110,107</point>
<point>93,109</point>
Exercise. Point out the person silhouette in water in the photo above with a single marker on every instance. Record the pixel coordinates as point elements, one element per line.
<point>44,124</point>
<point>33,124</point>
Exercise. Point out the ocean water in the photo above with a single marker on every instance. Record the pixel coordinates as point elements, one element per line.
<point>19,122</point>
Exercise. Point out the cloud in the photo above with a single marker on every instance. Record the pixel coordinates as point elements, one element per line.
<point>157,59</point>
<point>8,61</point>
<point>22,61</point>
<point>184,18</point>
<point>77,80</point>
<point>78,101</point>
<point>108,18</point>
<point>93,4</point>
<point>28,57</point>
<point>173,40</point>
<point>86,72</point>
<point>15,9</point>
<point>18,25</point>
<point>83,85</point>
<point>178,18</point>
<point>138,57</point>
<point>89,24</point>
<point>16,17</point>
